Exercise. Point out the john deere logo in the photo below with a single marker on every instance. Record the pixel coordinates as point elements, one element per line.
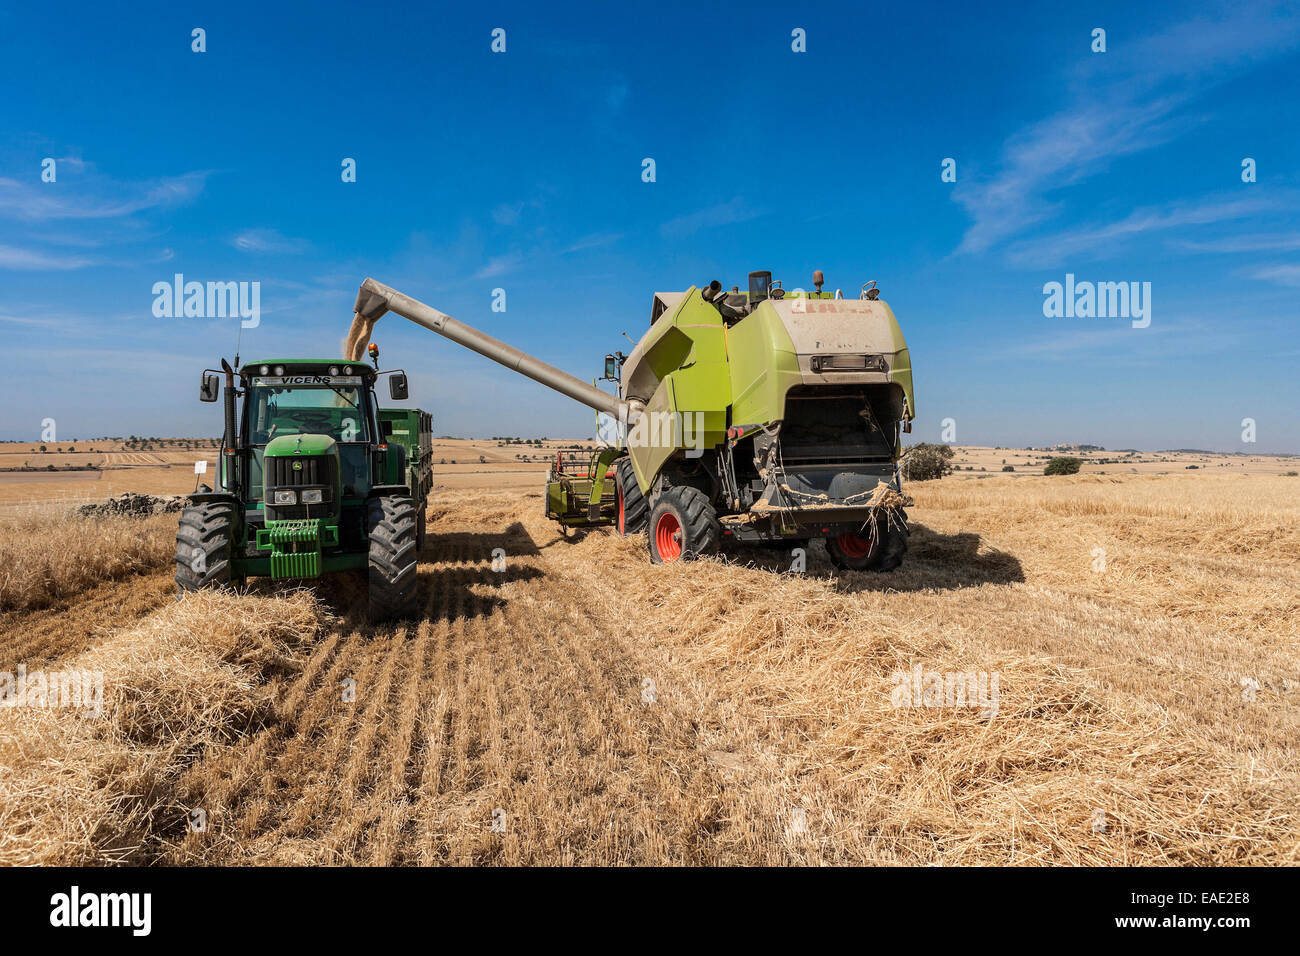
<point>297,466</point>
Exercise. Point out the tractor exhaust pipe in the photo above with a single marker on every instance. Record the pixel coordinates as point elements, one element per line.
<point>229,452</point>
<point>375,298</point>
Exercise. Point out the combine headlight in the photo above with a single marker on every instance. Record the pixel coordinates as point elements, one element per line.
<point>334,369</point>
<point>286,497</point>
<point>312,497</point>
<point>279,370</point>
<point>265,370</point>
<point>347,370</point>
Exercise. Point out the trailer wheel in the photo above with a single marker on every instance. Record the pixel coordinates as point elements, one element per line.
<point>683,525</point>
<point>391,524</point>
<point>632,506</point>
<point>881,551</point>
<point>203,546</point>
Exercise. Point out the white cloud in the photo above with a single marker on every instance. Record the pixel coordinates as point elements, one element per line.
<point>95,197</point>
<point>1107,241</point>
<point>1258,242</point>
<point>1284,274</point>
<point>498,265</point>
<point>1116,111</point>
<point>12,257</point>
<point>722,214</point>
<point>268,241</point>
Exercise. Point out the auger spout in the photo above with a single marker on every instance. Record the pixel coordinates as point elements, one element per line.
<point>375,298</point>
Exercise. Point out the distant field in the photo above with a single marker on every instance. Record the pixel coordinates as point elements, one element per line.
<point>1142,628</point>
<point>168,469</point>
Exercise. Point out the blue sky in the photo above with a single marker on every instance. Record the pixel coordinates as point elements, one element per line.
<point>522,170</point>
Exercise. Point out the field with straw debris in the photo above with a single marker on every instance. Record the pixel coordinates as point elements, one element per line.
<point>581,706</point>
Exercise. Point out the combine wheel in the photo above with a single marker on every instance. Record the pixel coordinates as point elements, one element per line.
<point>882,550</point>
<point>632,506</point>
<point>392,526</point>
<point>683,525</point>
<point>203,546</point>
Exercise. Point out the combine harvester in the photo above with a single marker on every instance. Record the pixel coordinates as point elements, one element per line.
<point>313,478</point>
<point>762,416</point>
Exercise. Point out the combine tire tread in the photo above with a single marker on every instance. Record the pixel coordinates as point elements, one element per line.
<point>633,507</point>
<point>701,533</point>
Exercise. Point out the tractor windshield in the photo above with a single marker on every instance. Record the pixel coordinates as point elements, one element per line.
<point>333,410</point>
<point>337,410</point>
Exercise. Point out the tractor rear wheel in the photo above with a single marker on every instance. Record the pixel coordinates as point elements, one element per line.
<point>632,506</point>
<point>683,525</point>
<point>393,567</point>
<point>203,546</point>
<point>881,550</point>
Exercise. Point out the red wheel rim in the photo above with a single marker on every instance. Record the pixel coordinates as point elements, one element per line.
<point>622,516</point>
<point>668,533</point>
<point>854,546</point>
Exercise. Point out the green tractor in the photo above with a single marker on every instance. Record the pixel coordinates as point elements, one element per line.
<point>313,478</point>
<point>763,415</point>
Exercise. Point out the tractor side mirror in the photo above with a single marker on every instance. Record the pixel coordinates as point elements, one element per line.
<point>210,387</point>
<point>397,387</point>
<point>611,368</point>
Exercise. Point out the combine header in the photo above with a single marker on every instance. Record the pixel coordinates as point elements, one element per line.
<point>763,415</point>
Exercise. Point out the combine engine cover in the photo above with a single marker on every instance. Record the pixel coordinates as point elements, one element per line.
<point>837,436</point>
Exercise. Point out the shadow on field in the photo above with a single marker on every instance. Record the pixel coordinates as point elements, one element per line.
<point>462,546</point>
<point>456,577</point>
<point>934,561</point>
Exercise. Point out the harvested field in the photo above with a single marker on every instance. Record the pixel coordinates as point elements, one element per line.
<point>580,706</point>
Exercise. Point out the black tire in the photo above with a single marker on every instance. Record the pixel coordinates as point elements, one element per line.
<point>683,517</point>
<point>203,546</point>
<point>632,506</point>
<point>861,553</point>
<point>421,526</point>
<point>393,567</point>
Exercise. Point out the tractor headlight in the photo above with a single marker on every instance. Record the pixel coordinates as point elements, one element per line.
<point>313,497</point>
<point>286,497</point>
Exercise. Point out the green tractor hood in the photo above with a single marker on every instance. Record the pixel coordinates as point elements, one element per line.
<point>287,445</point>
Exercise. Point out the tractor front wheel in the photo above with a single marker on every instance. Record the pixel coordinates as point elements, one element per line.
<point>203,546</point>
<point>683,525</point>
<point>632,506</point>
<point>392,527</point>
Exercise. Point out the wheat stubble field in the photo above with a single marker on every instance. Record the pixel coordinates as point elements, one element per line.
<point>602,711</point>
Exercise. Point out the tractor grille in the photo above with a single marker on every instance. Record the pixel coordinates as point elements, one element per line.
<point>314,470</point>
